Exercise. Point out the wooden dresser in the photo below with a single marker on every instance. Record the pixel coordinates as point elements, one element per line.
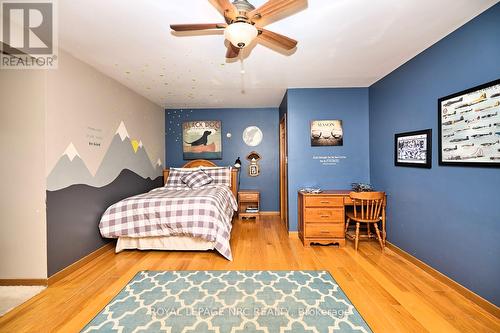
<point>321,217</point>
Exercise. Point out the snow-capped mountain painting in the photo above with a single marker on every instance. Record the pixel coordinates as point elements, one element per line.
<point>69,170</point>
<point>123,153</point>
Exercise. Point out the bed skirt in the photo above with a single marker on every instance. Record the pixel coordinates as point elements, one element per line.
<point>184,243</point>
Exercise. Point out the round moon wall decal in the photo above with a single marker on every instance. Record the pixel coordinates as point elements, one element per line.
<point>252,136</point>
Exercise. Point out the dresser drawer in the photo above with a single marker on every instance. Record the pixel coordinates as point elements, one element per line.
<point>321,230</point>
<point>324,201</point>
<point>313,215</point>
<point>249,197</point>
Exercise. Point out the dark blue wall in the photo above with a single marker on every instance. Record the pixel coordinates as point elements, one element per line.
<point>302,106</point>
<point>234,121</point>
<point>449,217</point>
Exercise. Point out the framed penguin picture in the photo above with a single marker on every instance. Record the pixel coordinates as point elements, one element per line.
<point>469,127</point>
<point>413,149</point>
<point>202,140</point>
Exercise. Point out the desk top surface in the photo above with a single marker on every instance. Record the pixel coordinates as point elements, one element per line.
<point>330,192</point>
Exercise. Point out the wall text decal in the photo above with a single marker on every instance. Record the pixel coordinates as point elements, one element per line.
<point>94,136</point>
<point>329,160</point>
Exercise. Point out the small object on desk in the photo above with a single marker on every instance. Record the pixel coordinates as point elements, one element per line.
<point>362,187</point>
<point>248,204</point>
<point>311,190</point>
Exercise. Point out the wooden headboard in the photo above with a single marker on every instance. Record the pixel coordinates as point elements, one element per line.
<point>205,163</point>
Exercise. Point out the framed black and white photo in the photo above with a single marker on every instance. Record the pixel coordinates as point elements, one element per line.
<point>469,127</point>
<point>413,149</point>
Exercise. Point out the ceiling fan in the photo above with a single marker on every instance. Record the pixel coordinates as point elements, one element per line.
<point>244,22</point>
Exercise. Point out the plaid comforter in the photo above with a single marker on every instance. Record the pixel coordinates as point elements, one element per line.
<point>204,213</point>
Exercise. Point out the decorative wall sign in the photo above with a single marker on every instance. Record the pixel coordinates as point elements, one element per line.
<point>469,127</point>
<point>329,160</point>
<point>252,136</point>
<point>413,149</point>
<point>202,140</point>
<point>253,168</point>
<point>327,133</point>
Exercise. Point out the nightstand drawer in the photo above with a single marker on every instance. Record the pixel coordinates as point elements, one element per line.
<point>249,197</point>
<point>335,230</point>
<point>322,215</point>
<point>324,201</point>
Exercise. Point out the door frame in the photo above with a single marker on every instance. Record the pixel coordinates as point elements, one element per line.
<point>283,172</point>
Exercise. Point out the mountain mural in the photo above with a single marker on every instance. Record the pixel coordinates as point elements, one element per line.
<point>123,153</point>
<point>69,168</point>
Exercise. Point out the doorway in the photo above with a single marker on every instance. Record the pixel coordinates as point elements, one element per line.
<point>283,173</point>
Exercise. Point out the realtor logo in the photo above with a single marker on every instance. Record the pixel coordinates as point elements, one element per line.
<point>28,35</point>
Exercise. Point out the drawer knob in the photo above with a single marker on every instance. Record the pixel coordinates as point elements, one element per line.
<point>325,202</point>
<point>325,232</point>
<point>325,216</point>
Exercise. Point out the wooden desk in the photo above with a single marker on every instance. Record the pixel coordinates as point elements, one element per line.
<point>321,217</point>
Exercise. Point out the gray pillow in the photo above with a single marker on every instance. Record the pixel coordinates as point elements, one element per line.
<point>196,179</point>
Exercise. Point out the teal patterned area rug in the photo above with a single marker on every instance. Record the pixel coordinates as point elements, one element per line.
<point>230,301</point>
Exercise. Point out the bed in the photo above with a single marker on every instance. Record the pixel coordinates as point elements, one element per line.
<point>174,217</point>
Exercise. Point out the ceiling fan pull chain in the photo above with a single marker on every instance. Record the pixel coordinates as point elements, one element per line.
<point>242,65</point>
<point>242,72</point>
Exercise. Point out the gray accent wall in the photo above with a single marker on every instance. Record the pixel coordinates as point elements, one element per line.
<point>73,216</point>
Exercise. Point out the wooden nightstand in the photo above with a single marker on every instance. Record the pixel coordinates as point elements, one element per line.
<point>248,199</point>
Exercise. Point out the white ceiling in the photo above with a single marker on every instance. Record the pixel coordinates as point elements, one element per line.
<point>342,43</point>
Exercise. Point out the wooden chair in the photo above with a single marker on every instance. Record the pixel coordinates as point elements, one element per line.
<point>369,208</point>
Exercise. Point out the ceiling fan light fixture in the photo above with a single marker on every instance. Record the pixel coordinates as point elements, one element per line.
<point>240,34</point>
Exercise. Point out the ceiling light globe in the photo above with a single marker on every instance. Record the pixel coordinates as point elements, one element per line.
<point>240,34</point>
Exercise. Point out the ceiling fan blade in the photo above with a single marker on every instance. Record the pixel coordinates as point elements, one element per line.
<point>275,8</point>
<point>225,8</point>
<point>232,51</point>
<point>197,26</point>
<point>277,39</point>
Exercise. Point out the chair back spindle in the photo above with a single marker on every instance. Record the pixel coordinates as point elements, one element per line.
<point>368,205</point>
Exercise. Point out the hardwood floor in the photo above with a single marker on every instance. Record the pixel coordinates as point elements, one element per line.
<point>392,294</point>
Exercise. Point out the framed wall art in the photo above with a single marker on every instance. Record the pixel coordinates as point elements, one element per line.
<point>469,127</point>
<point>202,140</point>
<point>413,149</point>
<point>327,133</point>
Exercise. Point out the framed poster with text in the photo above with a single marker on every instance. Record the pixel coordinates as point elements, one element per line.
<point>202,140</point>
